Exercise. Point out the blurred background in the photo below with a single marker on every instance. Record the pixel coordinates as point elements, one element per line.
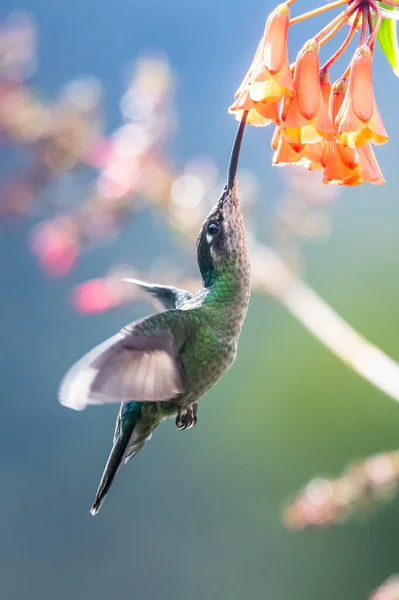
<point>114,139</point>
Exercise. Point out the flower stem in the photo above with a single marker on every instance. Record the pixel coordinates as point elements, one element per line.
<point>346,73</point>
<point>345,44</point>
<point>344,15</point>
<point>371,29</point>
<point>365,12</point>
<point>333,31</point>
<point>374,27</point>
<point>316,11</point>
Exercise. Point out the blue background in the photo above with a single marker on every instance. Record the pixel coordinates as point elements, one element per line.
<point>197,515</point>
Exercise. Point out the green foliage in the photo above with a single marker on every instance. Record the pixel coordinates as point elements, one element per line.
<point>388,39</point>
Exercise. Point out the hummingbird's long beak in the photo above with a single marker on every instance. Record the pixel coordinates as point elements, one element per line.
<point>233,163</point>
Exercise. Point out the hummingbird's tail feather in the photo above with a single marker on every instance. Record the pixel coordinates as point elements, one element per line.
<point>134,427</point>
<point>114,461</point>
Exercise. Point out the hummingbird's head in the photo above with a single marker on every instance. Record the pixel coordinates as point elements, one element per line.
<point>222,237</point>
<point>221,242</point>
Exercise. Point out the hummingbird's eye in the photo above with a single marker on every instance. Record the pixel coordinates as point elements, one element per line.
<point>213,228</point>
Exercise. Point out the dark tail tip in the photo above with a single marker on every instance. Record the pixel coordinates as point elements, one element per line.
<point>96,506</point>
<point>111,468</point>
<point>103,489</point>
<point>106,481</point>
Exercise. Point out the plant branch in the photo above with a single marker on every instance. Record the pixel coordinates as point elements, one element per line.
<point>272,276</point>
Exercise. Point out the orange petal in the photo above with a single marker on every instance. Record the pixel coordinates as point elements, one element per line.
<point>275,36</point>
<point>296,128</point>
<point>308,164</point>
<point>311,158</point>
<point>286,154</point>
<point>243,102</point>
<point>293,124</point>
<point>258,115</point>
<point>245,81</point>
<point>349,156</point>
<point>353,133</point>
<point>325,86</point>
<point>293,118</point>
<point>265,87</point>
<point>271,76</point>
<point>268,110</point>
<point>305,117</point>
<point>322,122</point>
<point>369,167</point>
<point>356,179</point>
<point>306,80</point>
<point>352,130</point>
<point>314,152</point>
<point>268,90</point>
<point>361,84</point>
<point>285,104</point>
<point>326,153</point>
<point>254,118</point>
<point>337,96</point>
<point>284,79</point>
<point>378,133</point>
<point>366,168</point>
<point>336,172</point>
<point>275,138</point>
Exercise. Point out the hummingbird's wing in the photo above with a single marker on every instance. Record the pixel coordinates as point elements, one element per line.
<point>170,297</point>
<point>130,366</point>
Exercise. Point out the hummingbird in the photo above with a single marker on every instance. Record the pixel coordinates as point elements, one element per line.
<point>159,366</point>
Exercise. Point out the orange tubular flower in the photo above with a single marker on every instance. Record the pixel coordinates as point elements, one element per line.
<point>365,169</point>
<point>307,119</point>
<point>345,165</point>
<point>325,86</point>
<point>369,169</point>
<point>286,153</point>
<point>269,78</point>
<point>301,155</point>
<point>259,113</point>
<point>358,120</point>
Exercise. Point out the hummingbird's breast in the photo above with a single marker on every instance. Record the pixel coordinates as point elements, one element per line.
<point>212,348</point>
<point>206,359</point>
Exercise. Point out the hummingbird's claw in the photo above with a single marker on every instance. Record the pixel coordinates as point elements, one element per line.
<point>187,419</point>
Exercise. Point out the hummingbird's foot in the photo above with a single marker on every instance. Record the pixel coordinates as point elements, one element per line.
<point>187,418</point>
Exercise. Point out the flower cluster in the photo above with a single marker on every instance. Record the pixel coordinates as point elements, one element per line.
<point>325,502</point>
<point>318,125</point>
